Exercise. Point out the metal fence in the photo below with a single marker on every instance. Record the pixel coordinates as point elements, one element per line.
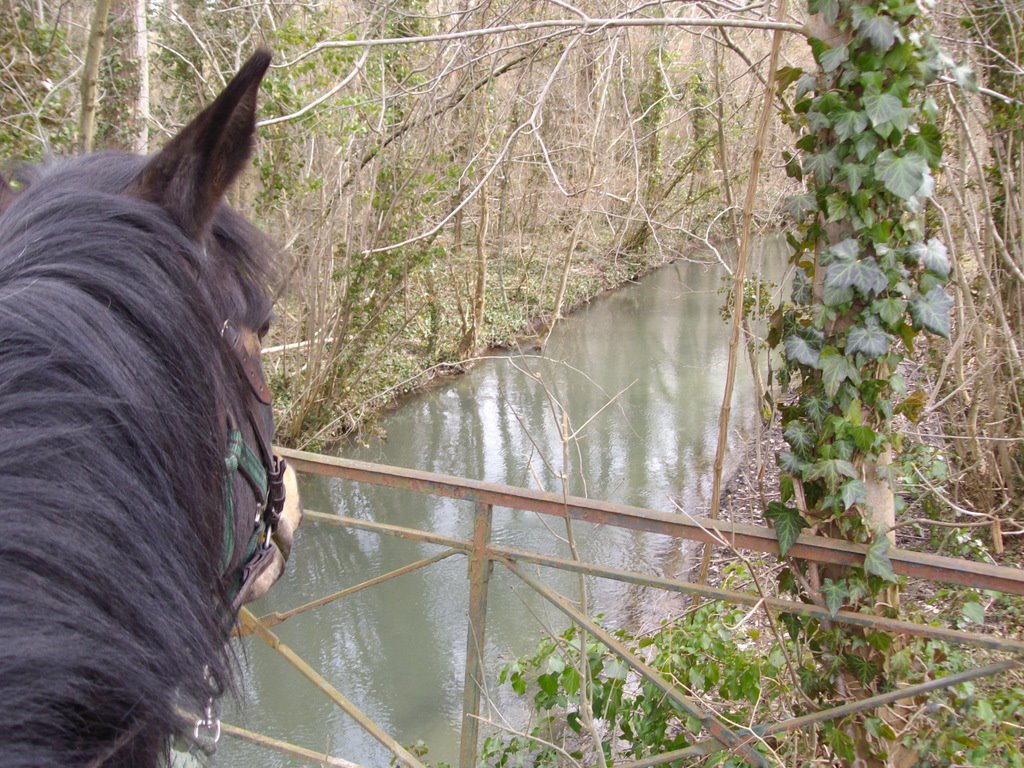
<point>483,554</point>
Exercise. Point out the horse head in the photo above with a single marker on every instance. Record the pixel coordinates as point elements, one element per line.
<point>142,501</point>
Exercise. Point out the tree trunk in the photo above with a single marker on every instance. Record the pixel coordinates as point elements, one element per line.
<point>91,73</point>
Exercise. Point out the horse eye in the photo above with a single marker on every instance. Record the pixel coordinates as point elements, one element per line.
<point>266,326</point>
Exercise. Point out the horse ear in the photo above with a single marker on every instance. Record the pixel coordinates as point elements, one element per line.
<point>190,175</point>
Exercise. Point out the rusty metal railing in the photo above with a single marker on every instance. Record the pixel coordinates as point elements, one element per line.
<point>483,554</point>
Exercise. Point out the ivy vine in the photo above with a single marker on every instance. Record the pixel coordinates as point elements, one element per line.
<point>869,280</point>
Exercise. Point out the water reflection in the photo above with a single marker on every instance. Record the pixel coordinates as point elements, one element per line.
<point>635,381</point>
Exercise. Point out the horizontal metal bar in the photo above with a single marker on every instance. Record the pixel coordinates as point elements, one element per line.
<point>273,641</point>
<point>708,746</point>
<point>279,617</point>
<point>681,525</point>
<point>401,532</point>
<point>286,748</point>
<point>776,604</point>
<point>779,605</point>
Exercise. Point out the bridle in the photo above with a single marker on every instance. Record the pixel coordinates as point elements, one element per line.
<point>263,473</point>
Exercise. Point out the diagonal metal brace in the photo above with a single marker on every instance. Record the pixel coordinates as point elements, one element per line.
<point>741,742</point>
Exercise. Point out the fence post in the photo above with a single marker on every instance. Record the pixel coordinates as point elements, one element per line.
<point>480,566</point>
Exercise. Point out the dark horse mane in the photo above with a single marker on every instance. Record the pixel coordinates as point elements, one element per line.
<point>114,385</point>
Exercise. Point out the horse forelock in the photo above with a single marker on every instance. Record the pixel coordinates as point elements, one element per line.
<point>113,378</point>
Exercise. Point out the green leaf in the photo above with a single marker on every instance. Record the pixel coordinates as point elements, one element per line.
<point>805,85</point>
<point>927,142</point>
<point>974,612</point>
<point>548,684</point>
<point>890,310</point>
<point>616,670</point>
<point>879,30</point>
<point>787,522</point>
<point>821,164</point>
<point>793,464</point>
<point>869,340</point>
<point>800,437</point>
<point>835,595</point>
<point>786,76</point>
<point>864,274</point>
<point>877,561</point>
<point>815,408</point>
<point>854,173</point>
<point>902,175</point>
<point>835,369</point>
<point>863,669</point>
<point>882,107</point>
<point>798,206</point>
<point>849,123</point>
<point>836,296</point>
<point>831,471</point>
<point>933,255</point>
<point>854,491</point>
<point>845,250</point>
<point>838,207</point>
<point>865,144</point>
<point>931,311</point>
<point>829,9</point>
<point>801,350</point>
<point>863,438</point>
<point>832,58</point>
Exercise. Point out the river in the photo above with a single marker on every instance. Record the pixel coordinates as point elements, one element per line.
<point>639,375</point>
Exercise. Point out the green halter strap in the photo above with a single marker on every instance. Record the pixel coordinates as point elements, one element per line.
<point>240,458</point>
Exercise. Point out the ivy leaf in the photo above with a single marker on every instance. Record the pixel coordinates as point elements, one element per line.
<point>863,669</point>
<point>786,76</point>
<point>821,164</point>
<point>801,350</point>
<point>832,471</point>
<point>912,405</point>
<point>853,492</point>
<point>835,369</point>
<point>829,9</point>
<point>890,310</point>
<point>877,561</point>
<point>835,595</point>
<point>815,408</point>
<point>805,85</point>
<point>927,142</point>
<point>879,30</point>
<point>931,311</point>
<point>868,339</point>
<point>793,464</point>
<point>864,274</point>
<point>933,255</point>
<point>849,123</point>
<point>845,250</point>
<point>800,437</point>
<point>787,522</point>
<point>902,175</point>
<point>798,206</point>
<point>864,144</point>
<point>836,296</point>
<point>854,173</point>
<point>882,107</point>
<point>838,206</point>
<point>833,57</point>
